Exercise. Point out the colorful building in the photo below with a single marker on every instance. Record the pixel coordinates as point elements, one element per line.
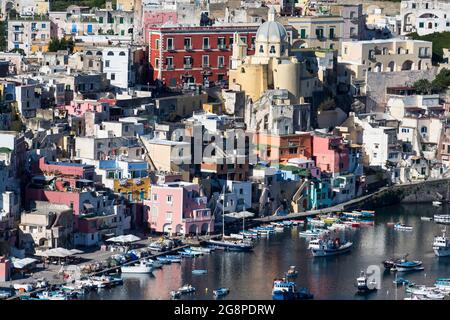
<point>330,153</point>
<point>281,148</point>
<point>178,208</point>
<point>194,55</point>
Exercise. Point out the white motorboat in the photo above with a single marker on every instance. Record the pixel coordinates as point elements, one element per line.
<point>443,284</point>
<point>309,233</point>
<point>435,295</point>
<point>442,218</point>
<point>426,218</point>
<point>441,245</point>
<point>187,288</point>
<point>437,203</point>
<point>201,249</point>
<point>27,287</point>
<point>155,264</point>
<point>331,247</point>
<point>364,285</point>
<point>142,267</point>
<point>402,227</point>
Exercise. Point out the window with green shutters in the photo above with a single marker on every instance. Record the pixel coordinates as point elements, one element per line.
<point>122,32</point>
<point>303,33</point>
<point>421,25</point>
<point>100,20</point>
<point>121,20</point>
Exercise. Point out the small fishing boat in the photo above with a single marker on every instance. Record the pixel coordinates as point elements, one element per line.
<point>6,293</point>
<point>231,245</point>
<point>286,290</point>
<point>441,245</point>
<point>163,260</point>
<point>26,287</point>
<point>367,222</point>
<point>417,290</point>
<point>364,285</point>
<point>426,218</point>
<point>174,258</point>
<point>402,227</point>
<point>298,222</point>
<point>292,272</point>
<point>352,223</point>
<point>402,282</point>
<point>201,249</point>
<point>315,222</point>
<point>187,288</point>
<point>144,267</point>
<point>331,247</point>
<point>442,218</point>
<point>309,233</point>
<point>249,234</point>
<point>199,271</point>
<point>437,203</point>
<point>443,284</point>
<point>220,292</point>
<point>51,295</point>
<point>175,294</point>
<point>435,295</point>
<point>405,266</point>
<point>287,223</point>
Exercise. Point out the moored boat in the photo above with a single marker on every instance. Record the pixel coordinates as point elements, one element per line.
<point>144,267</point>
<point>187,288</point>
<point>231,245</point>
<point>199,271</point>
<point>364,284</point>
<point>441,245</point>
<point>443,284</point>
<point>402,227</point>
<point>437,203</point>
<point>287,290</point>
<point>220,292</point>
<point>331,247</point>
<point>442,218</point>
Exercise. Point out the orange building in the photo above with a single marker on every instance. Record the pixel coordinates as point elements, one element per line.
<point>281,148</point>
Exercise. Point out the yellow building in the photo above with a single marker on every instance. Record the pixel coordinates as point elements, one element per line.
<point>134,190</point>
<point>125,5</point>
<point>271,67</point>
<point>42,6</point>
<point>322,31</point>
<point>213,107</point>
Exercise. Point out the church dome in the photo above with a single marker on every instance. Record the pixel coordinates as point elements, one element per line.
<point>272,32</point>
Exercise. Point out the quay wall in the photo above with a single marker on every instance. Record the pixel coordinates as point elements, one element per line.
<point>425,191</point>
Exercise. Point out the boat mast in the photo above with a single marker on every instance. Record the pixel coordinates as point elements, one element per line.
<point>223,210</point>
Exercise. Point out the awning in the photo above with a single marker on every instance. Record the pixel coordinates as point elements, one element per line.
<point>57,253</point>
<point>22,263</point>
<point>124,239</point>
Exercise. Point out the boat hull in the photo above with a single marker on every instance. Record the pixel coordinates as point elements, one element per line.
<point>441,252</point>
<point>330,252</point>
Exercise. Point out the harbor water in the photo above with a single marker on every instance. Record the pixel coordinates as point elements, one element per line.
<point>250,275</point>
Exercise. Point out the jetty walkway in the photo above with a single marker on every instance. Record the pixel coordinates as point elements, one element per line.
<point>336,208</point>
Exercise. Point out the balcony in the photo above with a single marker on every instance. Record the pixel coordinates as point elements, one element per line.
<point>171,48</point>
<point>206,66</point>
<point>207,47</point>
<point>187,65</point>
<point>222,47</point>
<point>170,67</point>
<point>221,66</point>
<point>188,47</point>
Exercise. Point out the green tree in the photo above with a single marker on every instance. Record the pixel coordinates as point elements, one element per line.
<point>442,80</point>
<point>423,86</point>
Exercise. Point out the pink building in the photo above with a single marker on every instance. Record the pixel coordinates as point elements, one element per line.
<point>178,208</point>
<point>5,268</point>
<point>157,18</point>
<point>330,153</point>
<point>78,108</point>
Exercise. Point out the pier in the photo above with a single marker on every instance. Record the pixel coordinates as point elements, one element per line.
<point>336,208</point>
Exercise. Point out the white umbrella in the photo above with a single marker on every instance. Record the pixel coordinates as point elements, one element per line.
<point>124,239</point>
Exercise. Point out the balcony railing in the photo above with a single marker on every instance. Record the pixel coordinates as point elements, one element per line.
<point>222,47</point>
<point>206,65</point>
<point>424,55</point>
<point>170,67</point>
<point>187,47</point>
<point>187,65</point>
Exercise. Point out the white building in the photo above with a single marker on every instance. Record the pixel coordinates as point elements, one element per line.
<point>28,100</point>
<point>118,66</point>
<point>425,16</point>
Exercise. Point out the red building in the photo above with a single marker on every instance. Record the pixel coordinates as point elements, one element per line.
<point>197,55</point>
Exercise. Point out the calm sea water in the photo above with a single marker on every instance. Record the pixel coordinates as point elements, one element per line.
<point>250,275</point>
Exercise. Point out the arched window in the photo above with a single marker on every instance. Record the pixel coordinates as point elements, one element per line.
<point>272,49</point>
<point>88,53</point>
<point>110,53</point>
<point>122,53</point>
<point>385,51</point>
<point>99,53</point>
